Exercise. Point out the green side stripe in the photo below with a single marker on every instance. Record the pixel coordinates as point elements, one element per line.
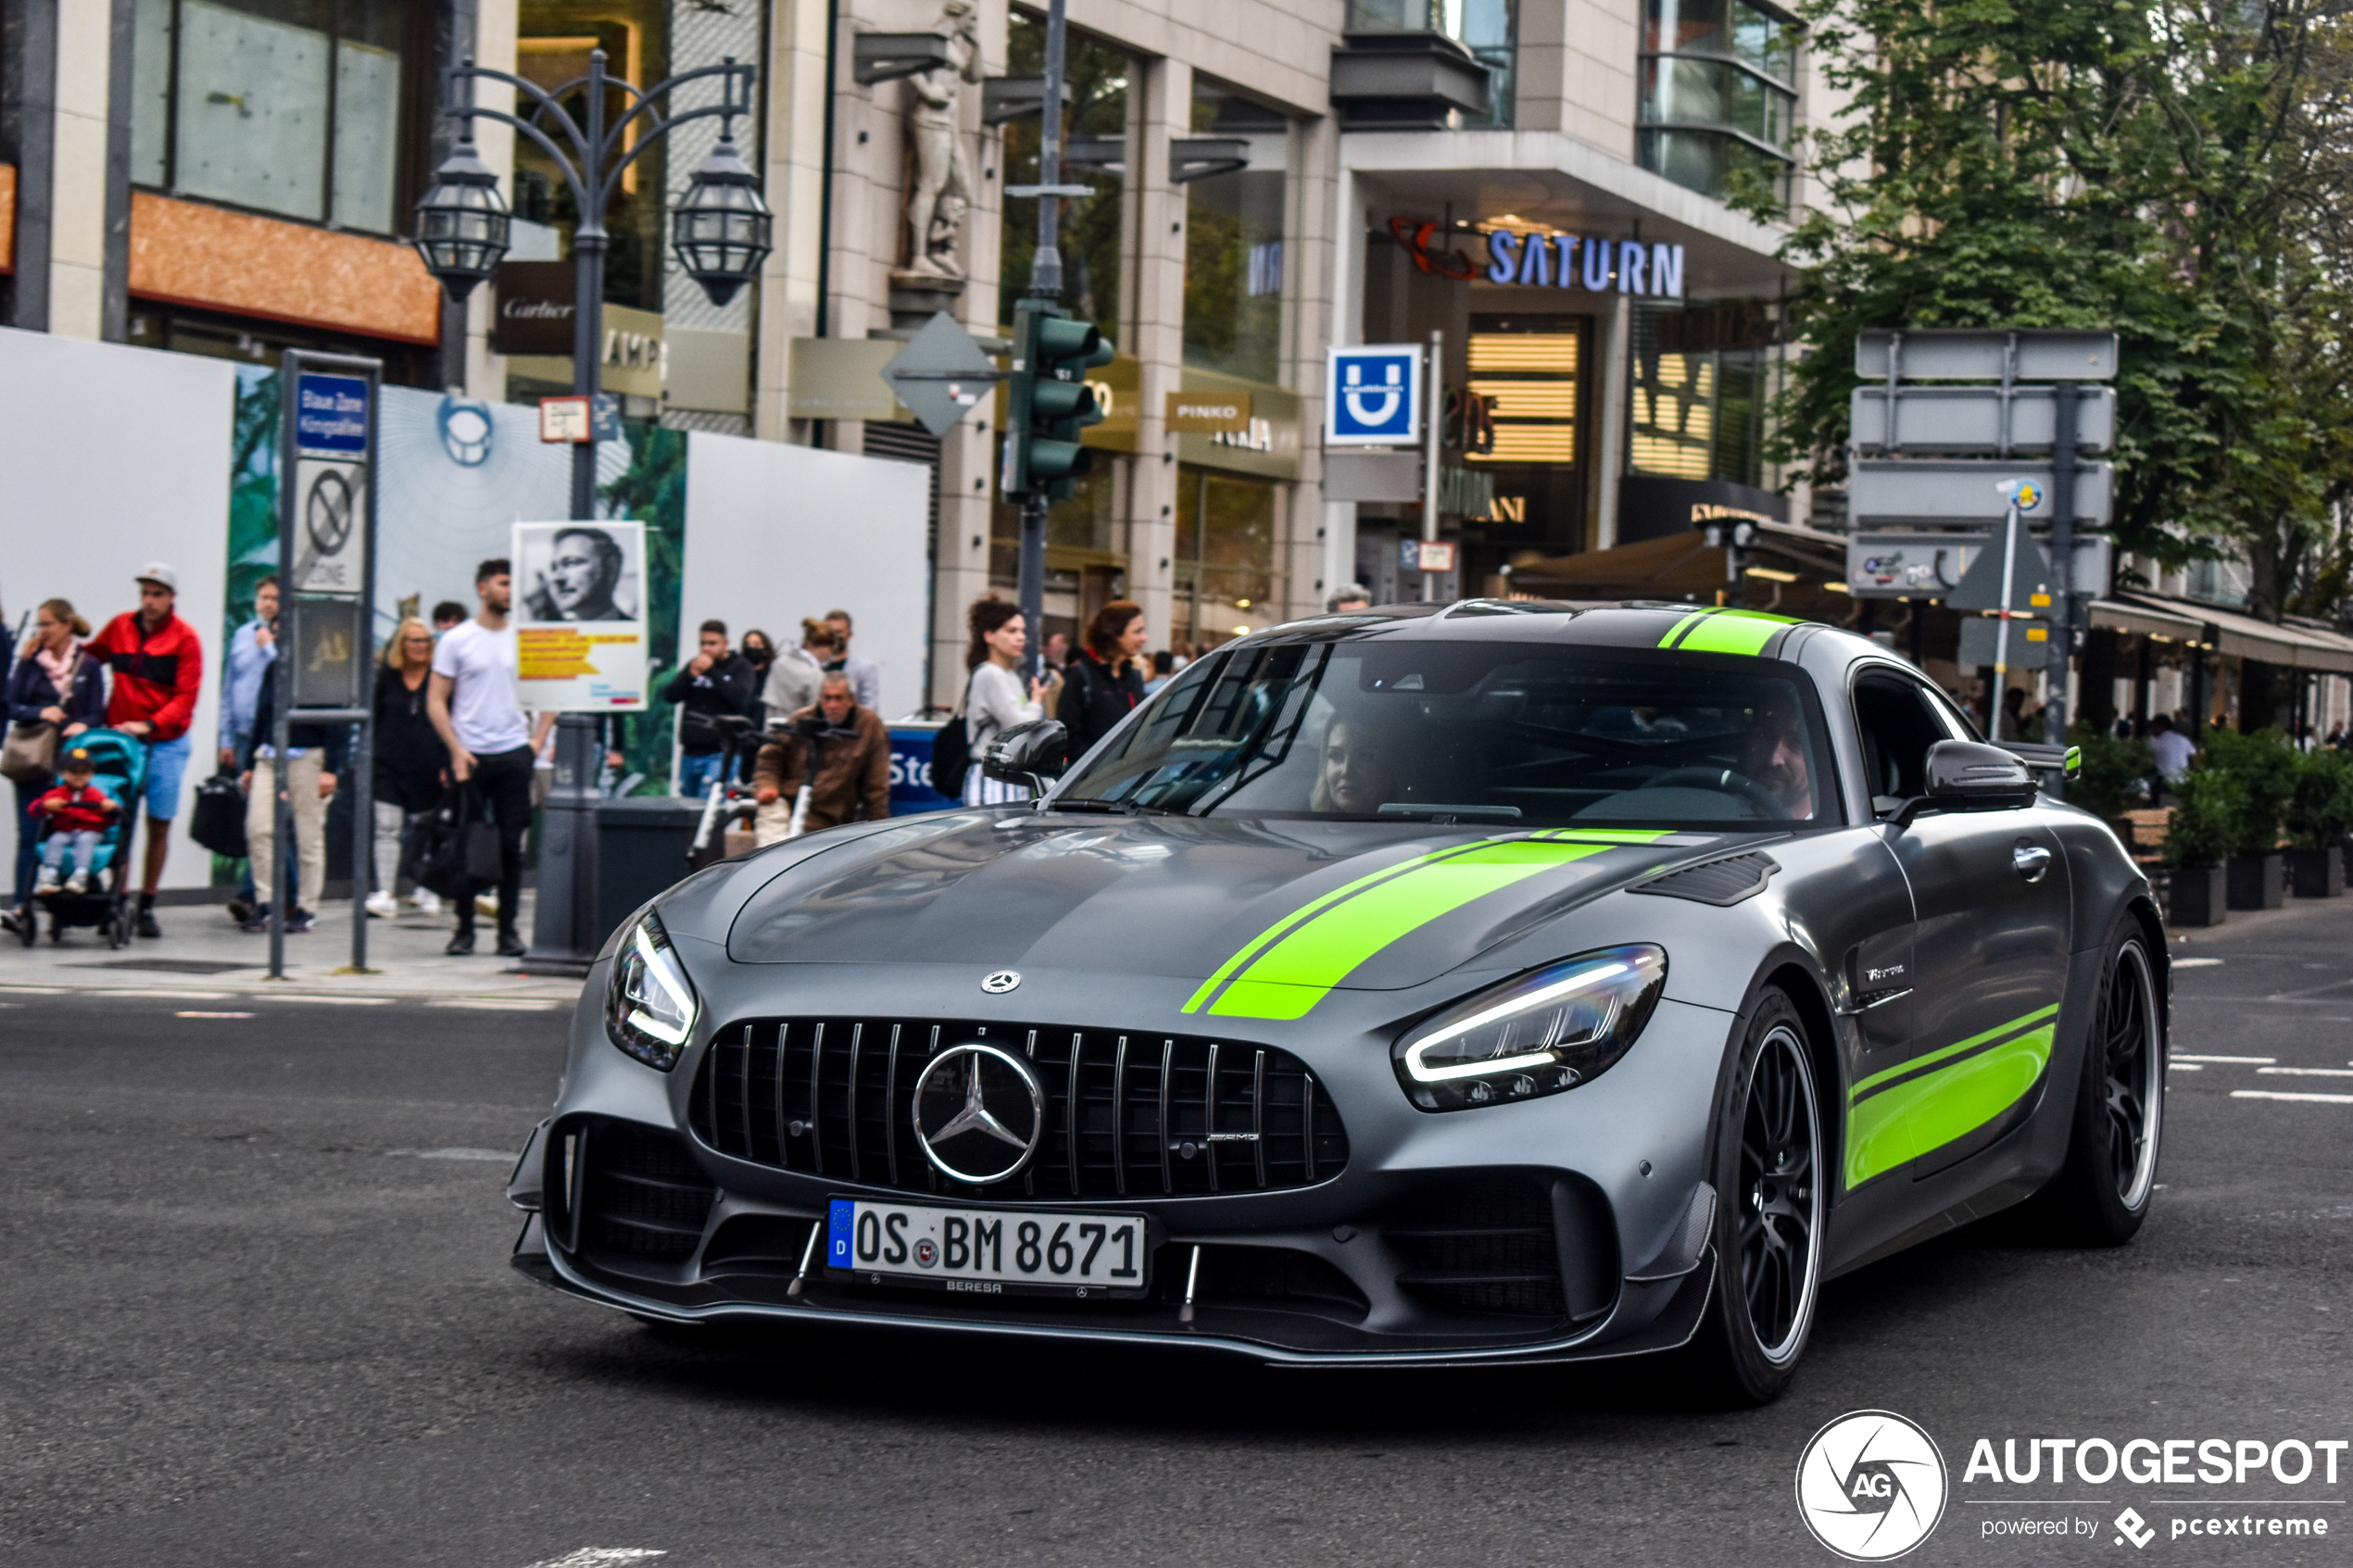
<point>1913,1118</point>
<point>1955,1049</point>
<point>1289,977</point>
<point>1735,631</point>
<point>1250,950</point>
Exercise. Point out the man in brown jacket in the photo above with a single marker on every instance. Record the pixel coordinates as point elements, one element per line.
<point>853,766</point>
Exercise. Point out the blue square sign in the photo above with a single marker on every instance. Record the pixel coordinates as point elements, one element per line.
<point>330,414</point>
<point>1374,393</point>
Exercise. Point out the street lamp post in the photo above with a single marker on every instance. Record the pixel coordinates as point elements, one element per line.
<point>722,230</point>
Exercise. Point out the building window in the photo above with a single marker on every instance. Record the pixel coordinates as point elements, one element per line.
<point>1234,243</point>
<point>1225,565</point>
<point>290,106</point>
<point>554,38</point>
<point>1719,96</point>
<point>1094,154</point>
<point>1488,28</point>
<point>1700,390</point>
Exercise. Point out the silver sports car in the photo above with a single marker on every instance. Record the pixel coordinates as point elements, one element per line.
<point>1484,982</point>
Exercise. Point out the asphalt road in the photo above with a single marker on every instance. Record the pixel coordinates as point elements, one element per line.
<point>256,1310</point>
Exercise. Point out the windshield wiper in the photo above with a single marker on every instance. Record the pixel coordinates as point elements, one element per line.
<point>1416,808</point>
<point>1125,807</point>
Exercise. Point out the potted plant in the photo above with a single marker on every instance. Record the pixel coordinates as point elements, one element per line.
<point>2265,766</point>
<point>2320,813</point>
<point>2112,777</point>
<point>2206,807</point>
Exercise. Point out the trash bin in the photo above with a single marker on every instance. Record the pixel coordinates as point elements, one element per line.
<point>641,848</point>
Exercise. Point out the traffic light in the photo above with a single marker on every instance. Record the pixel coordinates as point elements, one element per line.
<point>1049,402</point>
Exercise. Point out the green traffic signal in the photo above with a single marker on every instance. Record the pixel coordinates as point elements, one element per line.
<point>1049,402</point>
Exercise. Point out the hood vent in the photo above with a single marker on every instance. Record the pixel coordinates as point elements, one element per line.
<point>1721,883</point>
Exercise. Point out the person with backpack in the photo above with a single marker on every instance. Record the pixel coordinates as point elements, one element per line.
<point>1101,684</point>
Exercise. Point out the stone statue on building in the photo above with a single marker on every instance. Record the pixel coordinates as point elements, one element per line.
<point>943,189</point>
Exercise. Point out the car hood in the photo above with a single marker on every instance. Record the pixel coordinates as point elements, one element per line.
<point>1267,916</point>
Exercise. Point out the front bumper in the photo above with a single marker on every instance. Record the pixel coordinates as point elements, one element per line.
<point>1395,1260</point>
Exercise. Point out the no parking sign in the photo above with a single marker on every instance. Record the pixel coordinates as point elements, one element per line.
<point>1374,396</point>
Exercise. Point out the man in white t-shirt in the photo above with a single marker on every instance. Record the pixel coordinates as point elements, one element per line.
<point>473,707</point>
<point>2174,749</point>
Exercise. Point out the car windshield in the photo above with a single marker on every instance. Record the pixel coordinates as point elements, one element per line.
<point>1475,733</point>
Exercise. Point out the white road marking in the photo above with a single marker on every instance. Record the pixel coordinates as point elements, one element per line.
<point>34,990</point>
<point>601,1556</point>
<point>2310,1072</point>
<point>141,994</point>
<point>2178,1065</point>
<point>2235,1060</point>
<point>2282,1094</point>
<point>502,1157</point>
<point>498,1004</point>
<point>212,1015</point>
<point>319,997</point>
<point>2195,963</point>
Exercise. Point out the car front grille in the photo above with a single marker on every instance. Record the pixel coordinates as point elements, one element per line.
<point>1128,1115</point>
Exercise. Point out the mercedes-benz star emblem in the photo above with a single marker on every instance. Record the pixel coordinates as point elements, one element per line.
<point>1001,981</point>
<point>979,1112</point>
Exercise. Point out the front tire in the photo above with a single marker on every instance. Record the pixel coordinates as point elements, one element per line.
<point>2101,1195</point>
<point>1768,1164</point>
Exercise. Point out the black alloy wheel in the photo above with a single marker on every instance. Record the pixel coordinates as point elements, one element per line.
<point>1767,1166</point>
<point>2101,1195</point>
<point>1779,1193</point>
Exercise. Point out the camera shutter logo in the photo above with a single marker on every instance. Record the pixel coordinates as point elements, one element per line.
<point>1871,1485</point>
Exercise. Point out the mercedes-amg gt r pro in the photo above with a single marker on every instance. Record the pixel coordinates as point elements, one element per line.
<point>1475,983</point>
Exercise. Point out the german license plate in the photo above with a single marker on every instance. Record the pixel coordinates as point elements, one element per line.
<point>988,1252</point>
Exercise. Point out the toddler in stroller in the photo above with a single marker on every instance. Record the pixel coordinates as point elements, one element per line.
<point>74,815</point>
<point>90,816</point>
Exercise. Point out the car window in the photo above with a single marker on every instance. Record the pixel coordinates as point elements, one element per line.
<point>1896,723</point>
<point>1482,731</point>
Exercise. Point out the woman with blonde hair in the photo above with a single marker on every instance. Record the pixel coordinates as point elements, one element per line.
<point>409,763</point>
<point>55,686</point>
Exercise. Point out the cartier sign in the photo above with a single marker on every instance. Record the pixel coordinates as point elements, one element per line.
<point>535,305</point>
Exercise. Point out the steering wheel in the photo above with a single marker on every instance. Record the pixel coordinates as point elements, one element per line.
<point>1767,803</point>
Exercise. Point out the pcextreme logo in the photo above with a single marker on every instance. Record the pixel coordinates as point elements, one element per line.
<point>1870,1486</point>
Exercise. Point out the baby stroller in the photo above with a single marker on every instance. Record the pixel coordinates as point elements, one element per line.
<point>119,766</point>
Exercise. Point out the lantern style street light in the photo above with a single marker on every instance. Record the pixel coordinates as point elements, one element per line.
<point>721,230</point>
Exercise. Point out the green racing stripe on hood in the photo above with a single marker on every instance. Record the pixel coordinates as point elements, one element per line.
<point>1295,963</point>
<point>1890,1125</point>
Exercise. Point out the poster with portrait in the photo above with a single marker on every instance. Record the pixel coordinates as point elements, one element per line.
<point>580,616</point>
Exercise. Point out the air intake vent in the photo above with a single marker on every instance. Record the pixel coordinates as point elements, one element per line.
<point>1716,882</point>
<point>642,1196</point>
<point>1484,1245</point>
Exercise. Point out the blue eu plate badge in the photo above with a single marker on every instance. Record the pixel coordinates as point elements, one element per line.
<point>1374,393</point>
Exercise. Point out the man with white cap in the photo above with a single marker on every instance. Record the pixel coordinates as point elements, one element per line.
<point>158,667</point>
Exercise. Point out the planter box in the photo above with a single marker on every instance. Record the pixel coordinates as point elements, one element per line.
<point>2254,881</point>
<point>2317,873</point>
<point>2195,896</point>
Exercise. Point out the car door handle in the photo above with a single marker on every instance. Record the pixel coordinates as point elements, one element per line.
<point>2030,861</point>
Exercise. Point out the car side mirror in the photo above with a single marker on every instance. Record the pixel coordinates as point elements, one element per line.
<point>1967,775</point>
<point>1028,754</point>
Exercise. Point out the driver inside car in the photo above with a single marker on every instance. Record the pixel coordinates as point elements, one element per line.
<point>1356,775</point>
<point>1776,755</point>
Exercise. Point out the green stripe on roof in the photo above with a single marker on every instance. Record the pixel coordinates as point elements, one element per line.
<point>1289,977</point>
<point>1735,631</point>
<point>1681,626</point>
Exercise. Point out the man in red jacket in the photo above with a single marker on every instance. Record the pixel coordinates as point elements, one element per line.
<point>157,665</point>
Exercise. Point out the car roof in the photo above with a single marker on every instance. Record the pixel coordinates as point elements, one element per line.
<point>1627,623</point>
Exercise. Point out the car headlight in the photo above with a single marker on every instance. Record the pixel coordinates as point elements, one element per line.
<point>1537,1034</point>
<point>650,1003</point>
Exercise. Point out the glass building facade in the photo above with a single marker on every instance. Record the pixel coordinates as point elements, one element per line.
<point>1719,96</point>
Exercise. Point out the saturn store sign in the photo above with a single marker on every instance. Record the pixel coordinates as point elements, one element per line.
<point>1599,266</point>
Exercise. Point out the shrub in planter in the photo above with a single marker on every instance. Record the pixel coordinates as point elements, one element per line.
<point>2266,765</point>
<point>2320,813</point>
<point>2114,774</point>
<point>2197,841</point>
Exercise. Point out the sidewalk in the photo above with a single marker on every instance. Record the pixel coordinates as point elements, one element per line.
<point>202,956</point>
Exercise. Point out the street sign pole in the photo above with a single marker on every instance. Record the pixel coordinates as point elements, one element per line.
<point>1994,701</point>
<point>1431,452</point>
<point>2055,711</point>
<point>1046,283</point>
